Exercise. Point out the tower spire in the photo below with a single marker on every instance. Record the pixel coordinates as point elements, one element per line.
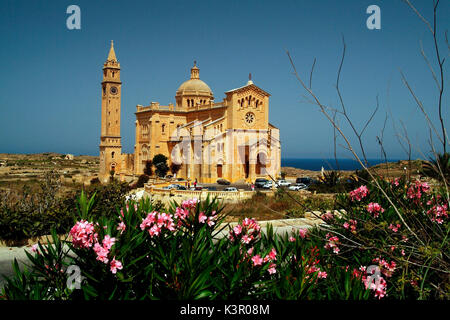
<point>112,54</point>
<point>195,71</point>
<point>249,79</point>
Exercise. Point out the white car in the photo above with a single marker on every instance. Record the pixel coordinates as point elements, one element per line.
<point>171,186</point>
<point>268,185</point>
<point>283,183</point>
<point>297,186</point>
<point>230,189</point>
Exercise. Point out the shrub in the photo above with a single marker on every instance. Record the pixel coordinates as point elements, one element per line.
<point>223,182</point>
<point>160,163</point>
<point>143,179</point>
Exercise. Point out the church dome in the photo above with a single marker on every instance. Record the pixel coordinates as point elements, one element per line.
<point>194,86</point>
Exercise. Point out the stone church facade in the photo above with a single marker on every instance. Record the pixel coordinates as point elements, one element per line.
<point>231,139</point>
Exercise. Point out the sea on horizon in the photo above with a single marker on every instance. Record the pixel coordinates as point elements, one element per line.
<point>328,164</point>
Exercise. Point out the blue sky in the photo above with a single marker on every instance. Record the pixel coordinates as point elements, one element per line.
<point>50,84</point>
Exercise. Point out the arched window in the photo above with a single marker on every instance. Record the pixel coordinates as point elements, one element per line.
<point>249,101</point>
<point>112,154</point>
<point>163,128</point>
<point>188,102</point>
<point>192,102</point>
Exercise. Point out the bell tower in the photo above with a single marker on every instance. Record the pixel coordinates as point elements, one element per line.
<point>110,140</point>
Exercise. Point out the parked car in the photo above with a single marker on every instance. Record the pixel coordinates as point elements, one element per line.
<point>230,189</point>
<point>306,181</point>
<point>267,185</point>
<point>197,188</point>
<point>283,183</point>
<point>298,186</point>
<point>223,182</point>
<point>211,188</point>
<point>260,182</point>
<point>171,186</point>
<point>182,187</point>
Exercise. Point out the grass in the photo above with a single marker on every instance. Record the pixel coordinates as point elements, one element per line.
<point>280,206</point>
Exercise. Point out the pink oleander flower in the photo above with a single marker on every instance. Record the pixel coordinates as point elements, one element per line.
<point>438,212</point>
<point>322,275</point>
<point>395,182</point>
<point>394,228</point>
<point>375,283</point>
<point>122,227</point>
<point>211,221</point>
<point>245,232</point>
<point>257,260</point>
<point>333,242</point>
<point>375,209</point>
<point>102,253</point>
<point>359,194</point>
<point>108,242</point>
<point>154,230</point>
<point>302,232</point>
<point>273,254</point>
<point>415,191</point>
<point>202,217</point>
<point>115,265</point>
<point>190,204</point>
<point>291,239</point>
<point>246,239</point>
<point>386,268</point>
<point>148,221</point>
<point>351,225</point>
<point>34,248</point>
<point>272,268</point>
<point>181,213</point>
<point>82,234</point>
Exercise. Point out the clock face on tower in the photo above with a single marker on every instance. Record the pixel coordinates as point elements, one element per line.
<point>250,118</point>
<point>114,90</point>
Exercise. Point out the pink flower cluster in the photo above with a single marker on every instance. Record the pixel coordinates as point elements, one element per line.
<point>395,182</point>
<point>115,265</point>
<point>246,232</point>
<point>351,224</point>
<point>359,194</point>
<point>333,242</point>
<point>394,227</point>
<point>184,213</point>
<point>374,282</point>
<point>387,268</point>
<point>311,266</point>
<point>375,209</point>
<point>190,204</point>
<point>302,232</point>
<point>269,258</point>
<point>82,234</point>
<point>439,210</point>
<point>415,191</point>
<point>155,221</point>
<point>202,218</point>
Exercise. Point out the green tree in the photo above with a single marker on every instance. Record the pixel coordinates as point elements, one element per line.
<point>148,168</point>
<point>160,163</point>
<point>175,167</point>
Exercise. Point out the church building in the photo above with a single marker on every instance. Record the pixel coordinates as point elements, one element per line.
<point>209,140</point>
